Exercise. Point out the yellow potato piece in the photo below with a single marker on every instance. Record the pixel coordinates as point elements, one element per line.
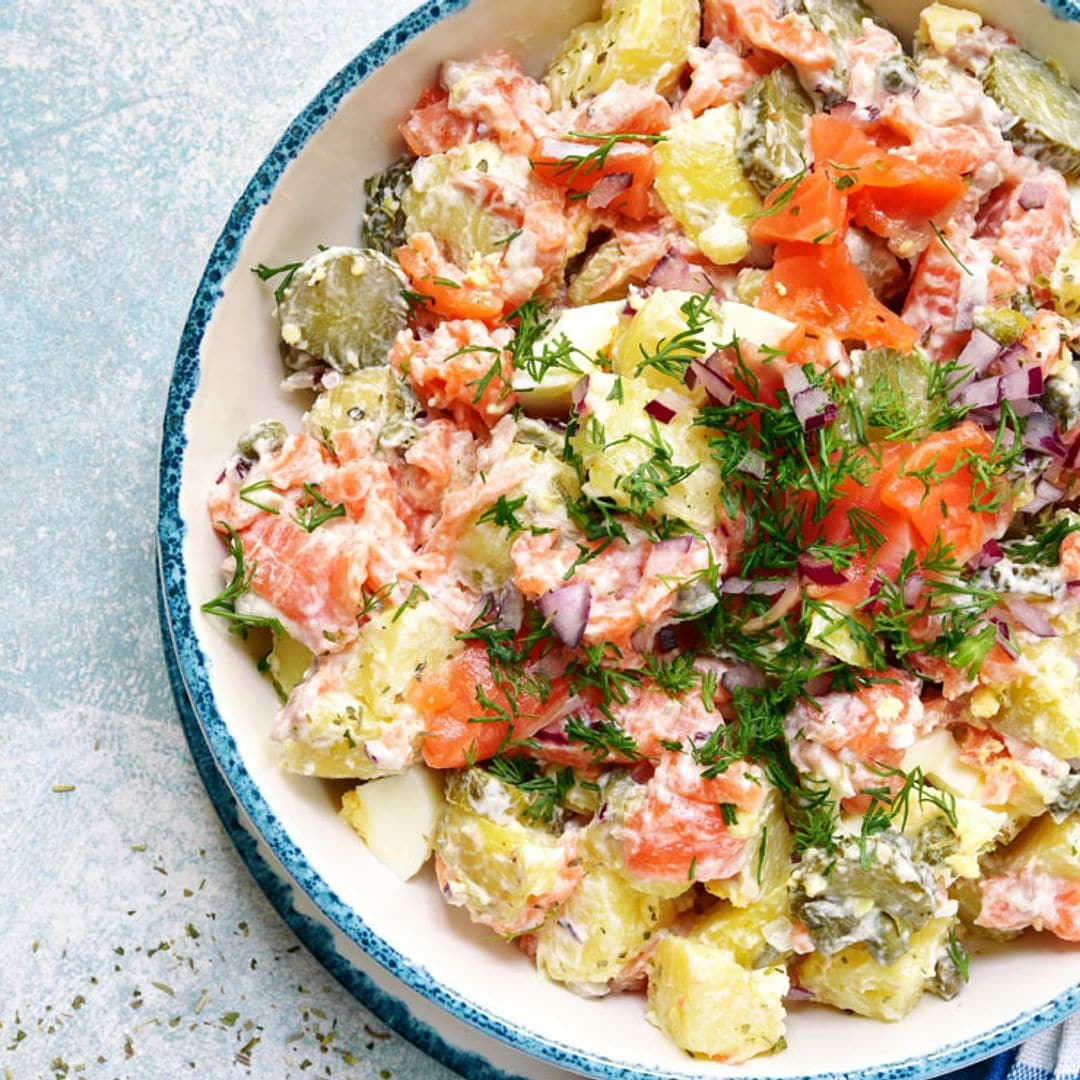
<point>701,183</point>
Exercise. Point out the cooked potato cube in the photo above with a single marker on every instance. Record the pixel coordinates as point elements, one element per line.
<point>505,871</point>
<point>1040,706</point>
<point>1065,281</point>
<point>852,979</point>
<point>604,926</point>
<point>941,25</point>
<point>746,930</point>
<point>661,326</point>
<point>709,1004</point>
<point>397,816</point>
<point>347,718</point>
<point>702,184</point>
<point>1044,847</point>
<point>641,464</point>
<point>769,843</point>
<point>643,42</point>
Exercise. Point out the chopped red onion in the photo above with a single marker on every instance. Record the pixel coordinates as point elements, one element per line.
<point>667,638</point>
<point>607,189</point>
<point>1029,617</point>
<point>814,408</point>
<point>1013,357</point>
<point>913,587</point>
<point>737,586</point>
<point>1041,435</point>
<point>1045,495</point>
<point>990,555</point>
<point>671,272</point>
<point>1033,195</point>
<point>1015,386</point>
<point>577,395</point>
<point>511,606</point>
<point>1004,637</point>
<point>795,381</point>
<point>752,464</point>
<point>665,406</point>
<point>761,257</point>
<point>567,611</point>
<point>821,571</point>
<point>665,555</point>
<point>980,351</point>
<point>714,384</point>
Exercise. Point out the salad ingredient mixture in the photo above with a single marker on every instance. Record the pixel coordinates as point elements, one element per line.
<point>680,544</point>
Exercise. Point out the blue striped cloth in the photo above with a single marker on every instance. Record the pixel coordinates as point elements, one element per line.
<point>1051,1055</point>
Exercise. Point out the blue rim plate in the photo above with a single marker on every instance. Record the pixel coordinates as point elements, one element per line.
<point>192,669</point>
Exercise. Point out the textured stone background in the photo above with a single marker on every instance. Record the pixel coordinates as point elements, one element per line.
<point>132,941</point>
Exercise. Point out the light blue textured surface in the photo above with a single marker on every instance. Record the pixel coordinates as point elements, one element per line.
<point>130,931</point>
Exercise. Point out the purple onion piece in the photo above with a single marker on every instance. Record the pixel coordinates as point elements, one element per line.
<point>714,384</point>
<point>1004,637</point>
<point>567,612</point>
<point>660,412</point>
<point>752,464</point>
<point>1029,617</point>
<point>1016,386</point>
<point>577,395</point>
<point>813,408</point>
<point>737,586</point>
<point>979,353</point>
<point>974,292</point>
<point>795,381</point>
<point>1041,435</point>
<point>607,189</point>
<point>665,555</point>
<point>667,639</point>
<point>990,555</point>
<point>671,272</point>
<point>511,605</point>
<point>913,587</point>
<point>1045,495</point>
<point>821,572</point>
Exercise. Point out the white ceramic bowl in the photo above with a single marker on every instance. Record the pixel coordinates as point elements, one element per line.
<point>226,377</point>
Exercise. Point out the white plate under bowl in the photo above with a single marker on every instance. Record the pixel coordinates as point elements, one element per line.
<point>226,378</point>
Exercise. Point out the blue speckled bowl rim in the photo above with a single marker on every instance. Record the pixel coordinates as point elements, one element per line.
<point>194,673</point>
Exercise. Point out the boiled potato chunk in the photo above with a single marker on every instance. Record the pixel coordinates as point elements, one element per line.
<point>1041,705</point>
<point>577,337</point>
<point>287,663</point>
<point>347,718</point>
<point>601,929</point>
<point>503,869</point>
<point>1044,847</point>
<point>743,930</point>
<point>710,1005</point>
<point>768,867</point>
<point>663,323</point>
<point>639,463</point>
<point>702,184</point>
<point>1065,281</point>
<point>852,979</point>
<point>344,306</point>
<point>643,42</point>
<point>940,26</point>
<point>397,816</point>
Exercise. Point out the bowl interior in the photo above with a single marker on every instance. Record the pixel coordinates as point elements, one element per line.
<point>407,926</point>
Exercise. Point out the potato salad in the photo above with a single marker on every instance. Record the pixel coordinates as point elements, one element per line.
<point>679,546</point>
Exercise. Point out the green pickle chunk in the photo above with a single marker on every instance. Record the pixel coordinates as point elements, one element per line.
<point>840,20</point>
<point>1042,106</point>
<point>383,226</point>
<point>772,126</point>
<point>344,307</point>
<point>376,400</point>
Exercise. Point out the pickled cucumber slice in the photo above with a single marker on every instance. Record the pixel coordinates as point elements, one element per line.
<point>343,307</point>
<point>383,225</point>
<point>839,20</point>
<point>772,129</point>
<point>376,400</point>
<point>1043,108</point>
